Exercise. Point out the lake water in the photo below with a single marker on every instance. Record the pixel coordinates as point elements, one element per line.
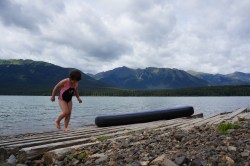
<point>25,114</point>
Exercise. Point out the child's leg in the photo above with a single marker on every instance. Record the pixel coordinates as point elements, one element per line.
<point>65,112</point>
<point>67,118</point>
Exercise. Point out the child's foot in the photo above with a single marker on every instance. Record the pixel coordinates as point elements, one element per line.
<point>66,129</point>
<point>57,125</point>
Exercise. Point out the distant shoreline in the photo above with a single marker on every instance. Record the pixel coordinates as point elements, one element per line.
<point>243,90</point>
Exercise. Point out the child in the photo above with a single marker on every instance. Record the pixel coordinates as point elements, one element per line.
<point>69,87</point>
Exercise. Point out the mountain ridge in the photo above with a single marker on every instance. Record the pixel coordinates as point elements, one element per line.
<point>220,79</point>
<point>149,78</point>
<point>37,77</point>
<point>122,76</point>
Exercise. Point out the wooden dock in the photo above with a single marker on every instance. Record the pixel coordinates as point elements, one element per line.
<point>53,146</point>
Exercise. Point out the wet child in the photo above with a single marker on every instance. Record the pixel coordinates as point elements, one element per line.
<point>69,87</point>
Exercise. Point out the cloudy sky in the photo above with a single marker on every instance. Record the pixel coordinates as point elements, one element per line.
<point>98,35</point>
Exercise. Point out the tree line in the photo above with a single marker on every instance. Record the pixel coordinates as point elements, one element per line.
<point>202,91</point>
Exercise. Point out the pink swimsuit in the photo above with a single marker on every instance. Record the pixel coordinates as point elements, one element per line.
<point>67,91</point>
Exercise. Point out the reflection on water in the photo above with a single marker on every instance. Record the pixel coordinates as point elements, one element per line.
<point>23,114</point>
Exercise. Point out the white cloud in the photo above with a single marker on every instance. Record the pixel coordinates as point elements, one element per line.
<point>94,36</point>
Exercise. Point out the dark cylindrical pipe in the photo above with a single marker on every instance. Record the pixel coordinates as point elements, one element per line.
<point>142,117</point>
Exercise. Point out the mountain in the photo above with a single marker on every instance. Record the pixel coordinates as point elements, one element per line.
<point>240,76</point>
<point>149,78</point>
<point>27,77</point>
<point>35,77</point>
<point>220,79</point>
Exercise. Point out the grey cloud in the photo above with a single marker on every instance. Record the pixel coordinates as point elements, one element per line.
<point>156,20</point>
<point>13,14</point>
<point>100,35</point>
<point>107,50</point>
<point>141,21</point>
<point>28,15</point>
<point>86,33</point>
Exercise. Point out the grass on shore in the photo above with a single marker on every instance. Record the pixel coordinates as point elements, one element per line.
<point>223,127</point>
<point>103,138</point>
<point>79,156</point>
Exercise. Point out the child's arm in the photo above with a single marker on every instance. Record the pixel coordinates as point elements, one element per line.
<point>77,95</point>
<point>56,88</point>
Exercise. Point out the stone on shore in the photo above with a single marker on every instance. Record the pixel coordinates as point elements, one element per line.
<point>163,161</point>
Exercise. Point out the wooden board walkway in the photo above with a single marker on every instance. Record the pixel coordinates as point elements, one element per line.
<point>55,145</point>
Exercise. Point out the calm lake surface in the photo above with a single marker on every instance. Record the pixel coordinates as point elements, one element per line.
<point>25,114</point>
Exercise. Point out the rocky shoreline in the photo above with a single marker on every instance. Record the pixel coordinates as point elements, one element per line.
<point>200,146</point>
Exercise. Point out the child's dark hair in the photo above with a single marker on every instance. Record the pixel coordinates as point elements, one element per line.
<point>75,75</point>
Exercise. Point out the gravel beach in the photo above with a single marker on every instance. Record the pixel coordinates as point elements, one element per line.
<point>199,146</point>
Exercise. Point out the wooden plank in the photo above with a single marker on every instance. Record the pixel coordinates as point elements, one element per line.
<point>216,119</point>
<point>233,114</point>
<point>36,141</point>
<point>247,116</point>
<point>181,122</point>
<point>174,125</point>
<point>35,151</point>
<point>169,122</point>
<point>58,134</point>
<point>209,119</point>
<point>60,137</point>
<point>52,156</point>
<point>41,142</point>
<point>23,144</point>
<point>58,154</point>
<point>165,123</point>
<point>201,121</point>
<point>191,122</point>
<point>229,116</point>
<point>242,116</point>
<point>34,135</point>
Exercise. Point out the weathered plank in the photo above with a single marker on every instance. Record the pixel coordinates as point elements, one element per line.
<point>59,134</point>
<point>169,124</point>
<point>41,142</point>
<point>230,116</point>
<point>164,122</point>
<point>197,122</point>
<point>175,125</point>
<point>35,151</point>
<point>59,154</point>
<point>216,119</point>
<point>54,138</point>
<point>190,123</point>
<point>241,117</point>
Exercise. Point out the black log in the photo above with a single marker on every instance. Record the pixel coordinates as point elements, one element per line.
<point>142,117</point>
